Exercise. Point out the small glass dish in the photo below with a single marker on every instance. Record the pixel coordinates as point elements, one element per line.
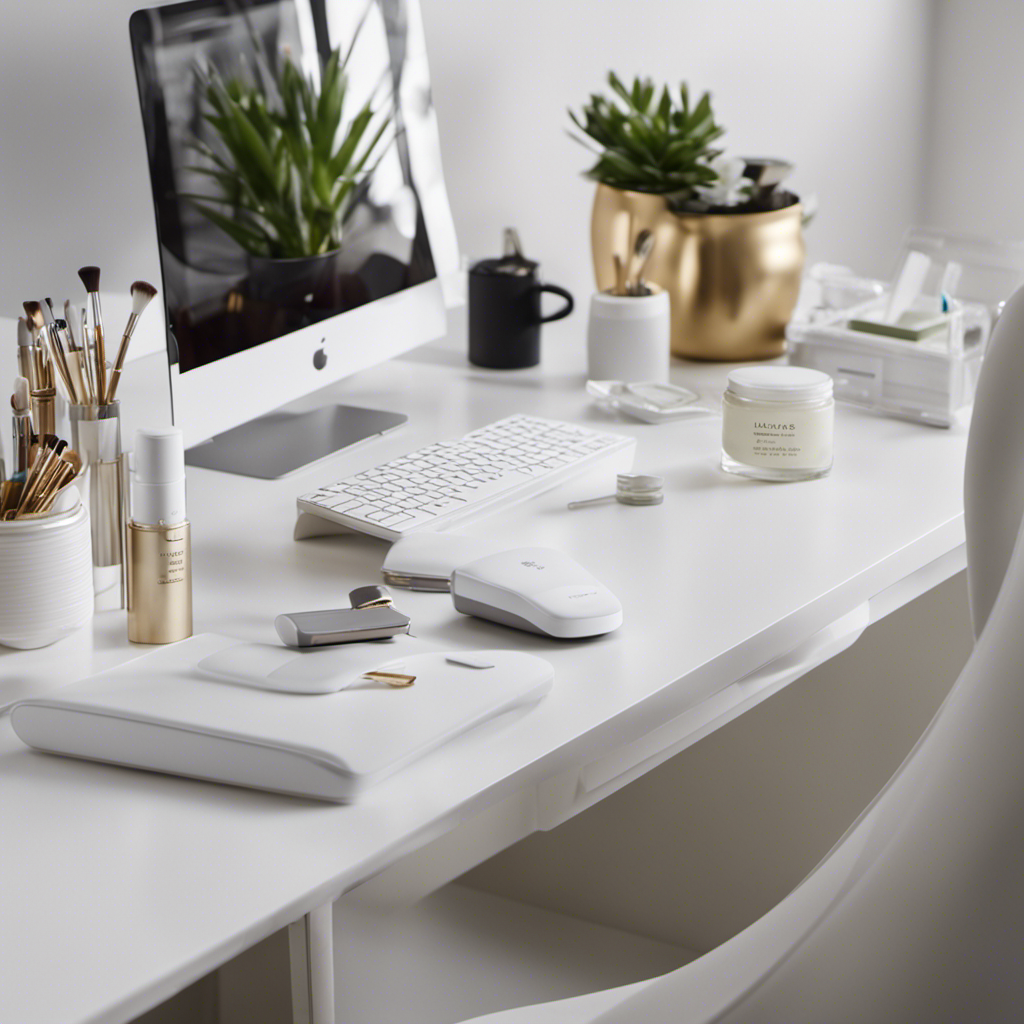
<point>650,401</point>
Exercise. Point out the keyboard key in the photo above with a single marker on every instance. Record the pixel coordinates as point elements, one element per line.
<point>360,512</point>
<point>344,504</point>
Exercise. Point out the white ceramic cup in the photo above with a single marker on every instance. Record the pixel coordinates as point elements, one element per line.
<point>628,337</point>
<point>45,578</point>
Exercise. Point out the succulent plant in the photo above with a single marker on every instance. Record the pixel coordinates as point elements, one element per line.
<point>651,143</point>
<point>286,179</point>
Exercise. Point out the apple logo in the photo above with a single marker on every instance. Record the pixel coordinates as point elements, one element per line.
<point>319,359</point>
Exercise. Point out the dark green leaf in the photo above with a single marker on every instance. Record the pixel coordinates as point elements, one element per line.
<point>647,141</point>
<point>249,239</point>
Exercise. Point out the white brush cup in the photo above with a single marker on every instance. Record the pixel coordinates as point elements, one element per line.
<point>628,337</point>
<point>45,578</point>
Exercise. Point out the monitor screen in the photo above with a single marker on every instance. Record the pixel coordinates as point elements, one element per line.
<point>277,133</point>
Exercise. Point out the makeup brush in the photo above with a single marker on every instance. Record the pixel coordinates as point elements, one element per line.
<point>22,424</point>
<point>44,364</point>
<point>26,363</point>
<point>91,279</point>
<point>45,482</point>
<point>63,472</point>
<point>86,353</point>
<point>55,335</point>
<point>37,323</point>
<point>10,495</point>
<point>642,247</point>
<point>74,326</point>
<point>60,478</point>
<point>34,313</point>
<point>620,275</point>
<point>38,469</point>
<point>76,363</point>
<point>76,389</point>
<point>142,293</point>
<point>75,384</point>
<point>45,476</point>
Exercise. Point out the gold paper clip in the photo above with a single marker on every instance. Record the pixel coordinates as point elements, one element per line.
<point>396,679</point>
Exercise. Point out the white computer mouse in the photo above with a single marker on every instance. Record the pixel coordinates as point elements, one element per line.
<point>540,590</point>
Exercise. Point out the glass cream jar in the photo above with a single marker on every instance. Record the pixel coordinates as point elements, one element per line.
<point>777,423</point>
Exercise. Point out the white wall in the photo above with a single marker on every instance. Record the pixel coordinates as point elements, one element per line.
<point>74,185</point>
<point>976,133</point>
<point>837,87</point>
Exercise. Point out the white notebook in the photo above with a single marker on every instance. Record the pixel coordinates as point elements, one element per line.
<point>159,713</point>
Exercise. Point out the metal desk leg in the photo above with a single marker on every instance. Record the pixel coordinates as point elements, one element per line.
<point>311,950</point>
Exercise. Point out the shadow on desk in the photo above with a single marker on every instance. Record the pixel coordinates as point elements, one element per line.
<point>71,779</point>
<point>469,633</point>
<point>533,377</point>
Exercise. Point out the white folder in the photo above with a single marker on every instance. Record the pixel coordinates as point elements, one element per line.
<point>160,713</point>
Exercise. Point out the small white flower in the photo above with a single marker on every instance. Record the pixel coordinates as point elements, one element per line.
<point>731,187</point>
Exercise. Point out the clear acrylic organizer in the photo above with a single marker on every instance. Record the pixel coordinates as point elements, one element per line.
<point>96,436</point>
<point>926,381</point>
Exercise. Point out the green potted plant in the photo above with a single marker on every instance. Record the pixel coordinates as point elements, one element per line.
<point>287,169</point>
<point>728,243</point>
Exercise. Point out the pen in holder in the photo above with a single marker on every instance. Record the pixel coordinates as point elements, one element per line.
<point>96,436</point>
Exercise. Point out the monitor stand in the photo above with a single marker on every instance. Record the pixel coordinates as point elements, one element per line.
<point>279,443</point>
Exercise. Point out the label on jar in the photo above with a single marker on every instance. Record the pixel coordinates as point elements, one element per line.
<point>783,438</point>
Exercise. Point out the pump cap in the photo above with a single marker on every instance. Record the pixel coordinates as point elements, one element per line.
<point>159,455</point>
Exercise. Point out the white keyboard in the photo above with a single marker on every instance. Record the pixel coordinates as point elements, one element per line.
<point>498,464</point>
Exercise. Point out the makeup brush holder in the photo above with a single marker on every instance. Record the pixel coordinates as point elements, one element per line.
<point>96,436</point>
<point>46,569</point>
<point>628,337</point>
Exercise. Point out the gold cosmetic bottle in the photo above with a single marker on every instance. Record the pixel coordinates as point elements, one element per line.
<point>159,544</point>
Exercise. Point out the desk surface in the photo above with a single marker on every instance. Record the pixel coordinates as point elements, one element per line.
<point>117,887</point>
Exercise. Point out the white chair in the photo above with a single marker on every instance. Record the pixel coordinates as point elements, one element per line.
<point>917,913</point>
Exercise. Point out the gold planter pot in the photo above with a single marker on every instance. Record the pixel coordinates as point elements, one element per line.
<point>733,279</point>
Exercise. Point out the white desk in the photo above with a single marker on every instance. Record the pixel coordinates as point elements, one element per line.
<point>118,888</point>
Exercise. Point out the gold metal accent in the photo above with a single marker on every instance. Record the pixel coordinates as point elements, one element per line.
<point>96,435</point>
<point>100,356</point>
<point>159,583</point>
<point>81,389</point>
<point>733,279</point>
<point>124,485</point>
<point>396,679</point>
<point>44,417</point>
<point>105,510</point>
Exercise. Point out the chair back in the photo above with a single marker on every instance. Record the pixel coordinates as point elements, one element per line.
<point>994,475</point>
<point>917,913</point>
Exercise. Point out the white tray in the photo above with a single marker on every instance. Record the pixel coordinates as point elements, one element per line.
<point>159,713</point>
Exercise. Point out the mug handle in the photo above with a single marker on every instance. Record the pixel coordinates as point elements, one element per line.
<point>565,310</point>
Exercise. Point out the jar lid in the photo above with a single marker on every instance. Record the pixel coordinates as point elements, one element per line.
<point>780,383</point>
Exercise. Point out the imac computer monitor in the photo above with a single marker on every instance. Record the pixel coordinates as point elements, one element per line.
<point>301,213</point>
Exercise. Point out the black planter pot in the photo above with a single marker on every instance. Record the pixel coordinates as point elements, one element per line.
<point>300,282</point>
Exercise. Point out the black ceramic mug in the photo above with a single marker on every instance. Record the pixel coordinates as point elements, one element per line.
<point>505,314</point>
